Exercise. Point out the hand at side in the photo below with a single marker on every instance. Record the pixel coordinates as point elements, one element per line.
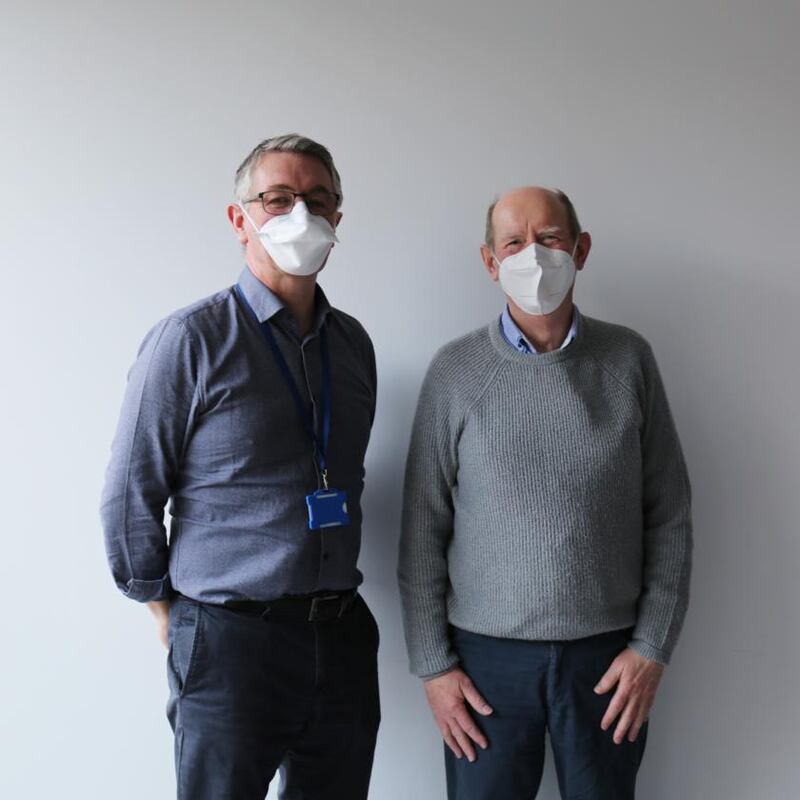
<point>636,679</point>
<point>160,610</point>
<point>449,696</point>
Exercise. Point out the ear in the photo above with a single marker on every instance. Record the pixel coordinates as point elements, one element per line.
<point>237,220</point>
<point>582,251</point>
<point>490,263</point>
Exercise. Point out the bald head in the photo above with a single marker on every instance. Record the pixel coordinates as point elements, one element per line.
<point>550,206</point>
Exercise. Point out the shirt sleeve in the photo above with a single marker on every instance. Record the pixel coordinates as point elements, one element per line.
<point>667,526</point>
<point>161,399</point>
<point>427,528</point>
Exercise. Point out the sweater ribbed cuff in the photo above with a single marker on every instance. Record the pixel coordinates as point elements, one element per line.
<point>437,674</point>
<point>648,651</point>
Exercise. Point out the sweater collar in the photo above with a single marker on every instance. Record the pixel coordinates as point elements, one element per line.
<point>517,339</point>
<point>509,352</point>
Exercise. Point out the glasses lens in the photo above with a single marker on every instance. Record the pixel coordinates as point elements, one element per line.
<point>321,203</point>
<point>277,202</point>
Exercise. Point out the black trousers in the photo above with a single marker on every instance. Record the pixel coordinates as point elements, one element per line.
<point>539,687</point>
<point>250,695</point>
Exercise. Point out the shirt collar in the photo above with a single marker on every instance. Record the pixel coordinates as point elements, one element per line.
<point>267,304</point>
<point>516,338</point>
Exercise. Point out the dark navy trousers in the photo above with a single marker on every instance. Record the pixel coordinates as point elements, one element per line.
<point>534,688</point>
<point>250,695</point>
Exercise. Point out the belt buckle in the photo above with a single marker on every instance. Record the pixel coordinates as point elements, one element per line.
<point>317,601</point>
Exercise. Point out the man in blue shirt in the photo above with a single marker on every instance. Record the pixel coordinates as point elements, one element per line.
<point>250,413</point>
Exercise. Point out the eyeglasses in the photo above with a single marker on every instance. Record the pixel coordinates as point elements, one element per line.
<point>281,201</point>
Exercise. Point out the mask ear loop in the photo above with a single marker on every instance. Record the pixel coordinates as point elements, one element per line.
<point>577,242</point>
<point>249,219</point>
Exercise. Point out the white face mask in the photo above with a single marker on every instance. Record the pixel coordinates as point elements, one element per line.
<point>538,278</point>
<point>298,242</point>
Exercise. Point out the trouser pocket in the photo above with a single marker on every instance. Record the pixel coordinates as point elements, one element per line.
<point>185,638</point>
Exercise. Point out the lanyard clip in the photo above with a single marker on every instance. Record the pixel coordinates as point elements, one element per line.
<point>324,474</point>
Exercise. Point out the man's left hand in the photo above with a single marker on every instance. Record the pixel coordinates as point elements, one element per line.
<point>160,610</point>
<point>636,679</point>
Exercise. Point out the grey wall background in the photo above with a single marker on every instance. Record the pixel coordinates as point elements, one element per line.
<point>672,125</point>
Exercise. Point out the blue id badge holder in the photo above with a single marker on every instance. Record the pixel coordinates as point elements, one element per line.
<point>327,508</point>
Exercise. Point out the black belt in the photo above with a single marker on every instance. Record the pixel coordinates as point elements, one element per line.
<point>314,608</point>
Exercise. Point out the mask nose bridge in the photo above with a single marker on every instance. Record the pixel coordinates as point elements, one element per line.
<point>300,208</point>
<point>303,213</point>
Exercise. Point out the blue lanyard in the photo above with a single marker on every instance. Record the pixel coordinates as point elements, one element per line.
<point>306,417</point>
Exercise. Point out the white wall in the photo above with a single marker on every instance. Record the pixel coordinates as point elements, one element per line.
<point>673,126</point>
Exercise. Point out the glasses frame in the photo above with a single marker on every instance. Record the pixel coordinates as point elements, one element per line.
<point>260,197</point>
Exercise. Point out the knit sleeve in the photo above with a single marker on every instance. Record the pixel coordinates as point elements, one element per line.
<point>667,526</point>
<point>427,525</point>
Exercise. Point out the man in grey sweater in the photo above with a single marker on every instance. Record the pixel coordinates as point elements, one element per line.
<point>546,545</point>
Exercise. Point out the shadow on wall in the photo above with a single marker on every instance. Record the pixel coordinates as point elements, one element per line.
<point>383,492</point>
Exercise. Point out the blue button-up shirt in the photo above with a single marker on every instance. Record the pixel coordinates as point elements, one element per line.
<point>517,339</point>
<point>209,425</point>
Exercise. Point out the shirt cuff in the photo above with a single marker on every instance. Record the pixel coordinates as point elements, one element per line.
<point>648,651</point>
<point>145,591</point>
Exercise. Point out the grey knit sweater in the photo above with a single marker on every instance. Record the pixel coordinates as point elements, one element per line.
<point>546,497</point>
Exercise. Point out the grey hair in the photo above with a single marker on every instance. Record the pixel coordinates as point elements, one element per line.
<point>287,143</point>
<point>573,224</point>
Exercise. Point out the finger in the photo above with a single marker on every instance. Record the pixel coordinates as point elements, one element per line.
<point>471,729</point>
<point>641,718</point>
<point>625,722</point>
<point>451,742</point>
<point>615,707</point>
<point>463,740</point>
<point>609,680</point>
<point>475,698</point>
<point>633,733</point>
